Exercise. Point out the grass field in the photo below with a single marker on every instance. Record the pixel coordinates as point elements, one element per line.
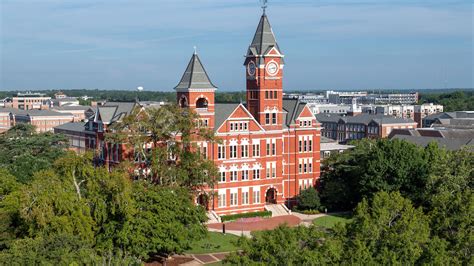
<point>331,220</point>
<point>214,242</point>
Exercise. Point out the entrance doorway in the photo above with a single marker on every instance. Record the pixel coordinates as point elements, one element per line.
<point>203,200</point>
<point>270,197</point>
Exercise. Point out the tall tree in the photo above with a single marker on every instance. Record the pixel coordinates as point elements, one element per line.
<point>165,142</point>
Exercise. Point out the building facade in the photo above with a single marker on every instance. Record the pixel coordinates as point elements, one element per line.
<point>269,149</point>
<point>270,146</point>
<point>29,101</point>
<point>345,128</point>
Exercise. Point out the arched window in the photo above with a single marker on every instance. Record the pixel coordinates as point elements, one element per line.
<point>183,102</point>
<point>201,103</point>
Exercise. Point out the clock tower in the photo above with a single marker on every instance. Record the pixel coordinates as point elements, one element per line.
<point>264,72</point>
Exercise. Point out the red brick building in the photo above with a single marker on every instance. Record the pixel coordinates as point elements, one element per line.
<point>270,147</point>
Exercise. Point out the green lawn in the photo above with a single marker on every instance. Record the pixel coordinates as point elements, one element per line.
<point>214,242</point>
<point>331,220</point>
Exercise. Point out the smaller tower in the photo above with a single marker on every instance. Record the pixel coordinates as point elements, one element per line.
<point>196,91</point>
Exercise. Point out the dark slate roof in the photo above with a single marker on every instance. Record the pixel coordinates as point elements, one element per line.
<point>362,119</point>
<point>114,111</point>
<point>195,76</point>
<point>222,111</point>
<point>293,108</point>
<point>71,107</point>
<point>449,144</point>
<point>42,113</point>
<point>263,40</point>
<point>72,126</point>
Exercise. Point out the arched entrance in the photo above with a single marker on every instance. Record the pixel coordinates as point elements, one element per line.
<point>203,200</point>
<point>270,196</point>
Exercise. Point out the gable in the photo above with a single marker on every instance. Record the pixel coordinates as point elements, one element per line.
<point>306,113</point>
<point>240,113</point>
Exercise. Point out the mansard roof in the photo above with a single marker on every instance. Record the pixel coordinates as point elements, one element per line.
<point>195,76</point>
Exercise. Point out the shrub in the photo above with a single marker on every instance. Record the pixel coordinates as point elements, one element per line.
<point>233,217</point>
<point>308,199</point>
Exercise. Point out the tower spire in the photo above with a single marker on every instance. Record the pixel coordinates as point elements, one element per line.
<point>264,5</point>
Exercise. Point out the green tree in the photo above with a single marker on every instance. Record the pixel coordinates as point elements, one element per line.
<point>173,132</point>
<point>308,199</point>
<point>386,230</point>
<point>166,221</point>
<point>288,246</point>
<point>24,152</point>
<point>378,165</point>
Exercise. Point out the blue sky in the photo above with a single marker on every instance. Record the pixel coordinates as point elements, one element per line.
<point>328,44</point>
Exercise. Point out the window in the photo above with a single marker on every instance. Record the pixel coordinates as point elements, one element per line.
<point>256,196</point>
<point>274,118</point>
<point>245,175</point>
<point>231,126</point>
<point>300,145</point>
<point>233,175</point>
<point>233,198</point>
<point>221,152</point>
<point>256,150</point>
<point>268,148</point>
<point>271,170</point>
<point>275,94</point>
<point>221,199</point>
<point>245,151</point>
<point>233,151</point>
<point>267,119</point>
<point>256,173</point>
<point>221,176</point>
<point>245,197</point>
<point>273,148</point>
<point>266,95</point>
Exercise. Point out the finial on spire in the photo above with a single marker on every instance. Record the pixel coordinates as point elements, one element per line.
<point>264,5</point>
<point>195,50</point>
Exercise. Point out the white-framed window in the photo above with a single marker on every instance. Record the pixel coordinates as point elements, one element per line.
<point>273,148</point>
<point>267,119</point>
<point>274,118</point>
<point>245,197</point>
<point>268,148</point>
<point>271,170</point>
<point>233,175</point>
<point>256,174</point>
<point>221,199</point>
<point>233,151</point>
<point>256,150</point>
<point>256,196</point>
<point>220,151</point>
<point>245,175</point>
<point>245,151</point>
<point>233,198</point>
<point>222,176</point>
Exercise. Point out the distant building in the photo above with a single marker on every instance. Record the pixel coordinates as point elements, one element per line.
<point>79,112</point>
<point>451,139</point>
<point>71,101</point>
<point>345,128</point>
<point>79,137</point>
<point>454,120</point>
<point>29,101</point>
<point>423,110</point>
<point>330,147</point>
<point>43,120</point>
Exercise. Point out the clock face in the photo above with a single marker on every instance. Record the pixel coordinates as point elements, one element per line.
<point>251,68</point>
<point>272,68</point>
